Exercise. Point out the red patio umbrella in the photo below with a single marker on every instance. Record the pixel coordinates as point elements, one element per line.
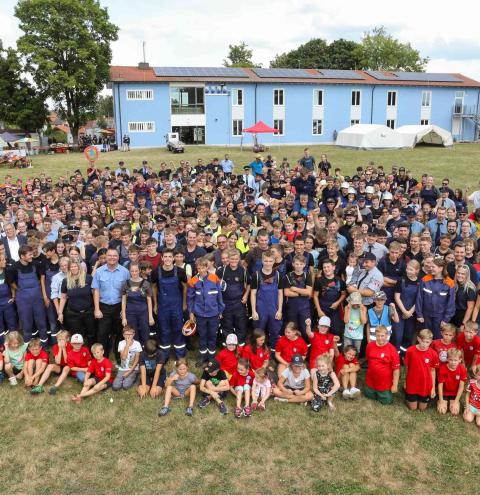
<point>258,128</point>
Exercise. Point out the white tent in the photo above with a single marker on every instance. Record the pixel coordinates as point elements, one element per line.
<point>369,137</point>
<point>429,134</point>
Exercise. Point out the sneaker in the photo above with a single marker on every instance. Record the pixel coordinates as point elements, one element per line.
<point>204,402</point>
<point>238,412</point>
<point>189,411</point>
<point>254,406</point>
<point>247,411</point>
<point>347,394</point>
<point>280,399</point>
<point>354,393</point>
<point>13,380</point>
<point>223,408</point>
<point>36,390</point>
<point>53,390</point>
<point>164,411</point>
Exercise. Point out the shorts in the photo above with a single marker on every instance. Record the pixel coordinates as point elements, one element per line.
<point>424,399</point>
<point>222,395</point>
<point>449,397</point>
<point>385,397</point>
<point>98,380</point>
<point>161,379</point>
<point>474,410</point>
<point>242,388</point>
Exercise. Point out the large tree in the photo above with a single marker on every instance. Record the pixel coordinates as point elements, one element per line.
<point>381,51</point>
<point>67,49</point>
<point>313,54</point>
<point>343,54</point>
<point>239,56</point>
<point>21,105</point>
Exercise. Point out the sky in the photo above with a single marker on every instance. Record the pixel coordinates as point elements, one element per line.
<point>197,33</point>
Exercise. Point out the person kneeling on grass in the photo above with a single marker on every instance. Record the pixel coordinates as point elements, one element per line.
<point>452,377</point>
<point>99,374</point>
<point>36,360</point>
<point>152,370</point>
<point>241,385</point>
<point>59,366</point>
<point>347,368</point>
<point>214,385</point>
<point>325,384</point>
<point>472,400</point>
<point>294,383</point>
<point>181,384</point>
<point>261,389</point>
<point>129,350</point>
<point>383,372</point>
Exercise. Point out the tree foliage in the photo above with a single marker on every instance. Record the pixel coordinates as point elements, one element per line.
<point>66,44</point>
<point>104,106</point>
<point>239,56</point>
<point>21,105</point>
<point>313,54</point>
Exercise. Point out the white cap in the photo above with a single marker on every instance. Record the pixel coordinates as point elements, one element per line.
<point>345,185</point>
<point>323,182</point>
<point>387,195</point>
<point>352,190</point>
<point>324,321</point>
<point>231,339</point>
<point>76,339</point>
<point>369,190</point>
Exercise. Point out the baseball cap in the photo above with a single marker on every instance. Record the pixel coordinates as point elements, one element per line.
<point>213,366</point>
<point>324,321</point>
<point>370,190</point>
<point>160,218</point>
<point>369,256</point>
<point>361,198</point>
<point>76,339</point>
<point>231,339</point>
<point>355,298</point>
<point>379,295</point>
<point>344,185</point>
<point>297,360</point>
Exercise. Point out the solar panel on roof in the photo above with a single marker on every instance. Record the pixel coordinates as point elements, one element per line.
<point>413,76</point>
<point>340,74</point>
<point>199,72</point>
<point>285,73</point>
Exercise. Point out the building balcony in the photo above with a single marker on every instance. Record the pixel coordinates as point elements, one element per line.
<point>188,110</point>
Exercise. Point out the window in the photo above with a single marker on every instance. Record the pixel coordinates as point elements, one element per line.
<point>317,127</point>
<point>237,127</point>
<point>139,94</point>
<point>391,123</point>
<point>278,100</point>
<point>392,99</point>
<point>278,124</point>
<point>237,97</point>
<point>355,98</point>
<point>426,98</point>
<point>187,100</point>
<point>424,122</point>
<point>354,121</point>
<point>458,108</point>
<point>317,97</point>
<point>141,127</point>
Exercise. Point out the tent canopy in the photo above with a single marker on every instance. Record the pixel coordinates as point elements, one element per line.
<point>260,127</point>
<point>9,138</point>
<point>369,136</point>
<point>3,144</point>
<point>429,134</point>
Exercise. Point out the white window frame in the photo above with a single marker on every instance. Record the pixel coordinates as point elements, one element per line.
<point>321,127</point>
<point>426,99</point>
<point>316,92</point>
<point>233,127</point>
<point>393,97</point>
<point>358,101</point>
<point>139,94</point>
<point>235,93</point>
<point>354,121</point>
<point>394,123</point>
<point>283,97</point>
<point>141,127</point>
<point>425,122</point>
<point>276,127</point>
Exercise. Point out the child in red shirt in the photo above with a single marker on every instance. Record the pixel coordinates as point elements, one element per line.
<point>228,357</point>
<point>257,351</point>
<point>241,385</point>
<point>469,342</point>
<point>472,400</point>
<point>322,342</point>
<point>78,358</point>
<point>59,366</point>
<point>36,360</point>
<point>289,344</point>
<point>383,372</point>
<point>347,367</point>
<point>441,346</point>
<point>451,383</point>
<point>421,362</point>
<point>99,374</point>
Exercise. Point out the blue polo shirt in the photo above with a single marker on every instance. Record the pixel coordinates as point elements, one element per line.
<point>110,283</point>
<point>257,167</point>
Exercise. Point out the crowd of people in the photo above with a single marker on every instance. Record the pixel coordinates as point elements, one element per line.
<point>284,281</point>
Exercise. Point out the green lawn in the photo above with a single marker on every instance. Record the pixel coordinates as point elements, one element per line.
<point>460,163</point>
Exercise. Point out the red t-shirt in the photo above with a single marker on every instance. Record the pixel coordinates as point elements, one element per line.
<point>99,369</point>
<point>420,364</point>
<point>78,359</point>
<point>63,362</point>
<point>342,361</point>
<point>228,360</point>
<point>469,348</point>
<point>287,348</point>
<point>382,361</point>
<point>474,390</point>
<point>238,380</point>
<point>42,355</point>
<point>451,379</point>
<point>257,359</point>
<point>441,349</point>
<point>155,261</point>
<point>321,343</point>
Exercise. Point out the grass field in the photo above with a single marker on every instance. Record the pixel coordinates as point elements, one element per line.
<point>461,163</point>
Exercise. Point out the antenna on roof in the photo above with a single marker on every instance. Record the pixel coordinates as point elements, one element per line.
<point>144,65</point>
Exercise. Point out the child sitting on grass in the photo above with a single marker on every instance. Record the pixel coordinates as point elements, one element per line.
<point>294,383</point>
<point>347,368</point>
<point>421,362</point>
<point>261,389</point>
<point>36,360</point>
<point>181,384</point>
<point>214,385</point>
<point>472,400</point>
<point>289,344</point>
<point>59,366</point>
<point>325,384</point>
<point>14,357</point>
<point>99,374</point>
<point>241,386</point>
<point>129,350</point>
<point>152,370</point>
<point>78,358</point>
<point>452,377</point>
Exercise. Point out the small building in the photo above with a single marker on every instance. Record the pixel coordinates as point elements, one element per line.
<point>307,106</point>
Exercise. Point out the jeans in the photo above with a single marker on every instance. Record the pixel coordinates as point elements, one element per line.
<point>357,343</point>
<point>80,376</point>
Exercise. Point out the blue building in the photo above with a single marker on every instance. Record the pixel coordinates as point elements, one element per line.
<point>307,106</point>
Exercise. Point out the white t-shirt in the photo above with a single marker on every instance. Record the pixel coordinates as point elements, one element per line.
<point>475,197</point>
<point>295,382</point>
<point>134,348</point>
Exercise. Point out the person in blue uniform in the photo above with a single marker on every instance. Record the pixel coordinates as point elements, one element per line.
<point>8,316</point>
<point>48,270</point>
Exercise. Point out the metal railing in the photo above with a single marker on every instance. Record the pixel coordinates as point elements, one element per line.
<point>465,110</point>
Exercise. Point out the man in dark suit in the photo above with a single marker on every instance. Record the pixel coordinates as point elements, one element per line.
<point>12,242</point>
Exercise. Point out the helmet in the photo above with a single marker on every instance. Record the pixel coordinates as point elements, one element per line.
<point>189,328</point>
